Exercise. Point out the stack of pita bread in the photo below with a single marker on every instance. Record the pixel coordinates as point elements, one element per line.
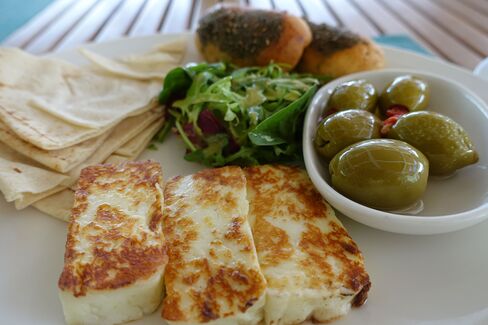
<point>57,118</point>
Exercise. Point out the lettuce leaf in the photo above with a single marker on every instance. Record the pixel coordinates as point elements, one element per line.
<point>243,116</point>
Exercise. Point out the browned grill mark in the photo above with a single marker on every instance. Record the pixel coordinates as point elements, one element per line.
<point>291,195</point>
<point>216,289</point>
<point>118,259</point>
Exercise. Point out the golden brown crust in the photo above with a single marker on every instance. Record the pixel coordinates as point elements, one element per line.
<point>295,37</point>
<point>273,190</point>
<point>110,248</point>
<point>363,56</point>
<point>280,195</point>
<point>272,241</point>
<point>210,282</point>
<point>318,246</point>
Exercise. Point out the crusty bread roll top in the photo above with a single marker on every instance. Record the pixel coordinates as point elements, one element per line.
<point>336,52</point>
<point>327,39</point>
<point>239,32</point>
<point>252,37</point>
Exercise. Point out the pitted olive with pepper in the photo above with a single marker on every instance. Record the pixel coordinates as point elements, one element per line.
<point>406,91</point>
<point>445,143</point>
<point>355,94</point>
<point>344,128</point>
<point>380,173</point>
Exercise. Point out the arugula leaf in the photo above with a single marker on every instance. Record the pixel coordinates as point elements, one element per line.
<point>278,128</point>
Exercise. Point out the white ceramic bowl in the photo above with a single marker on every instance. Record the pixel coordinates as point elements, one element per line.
<point>450,204</point>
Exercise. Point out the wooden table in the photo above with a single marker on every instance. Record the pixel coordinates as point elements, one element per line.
<point>456,30</point>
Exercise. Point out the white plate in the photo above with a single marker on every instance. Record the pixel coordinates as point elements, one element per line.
<point>427,280</point>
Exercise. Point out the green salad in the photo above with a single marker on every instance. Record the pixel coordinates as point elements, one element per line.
<point>244,116</point>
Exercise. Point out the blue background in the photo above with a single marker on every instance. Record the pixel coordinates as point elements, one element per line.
<point>15,13</point>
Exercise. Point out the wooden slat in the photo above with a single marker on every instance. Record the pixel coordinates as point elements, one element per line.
<point>388,23</point>
<point>448,45</point>
<point>290,6</point>
<point>121,21</point>
<point>37,24</point>
<point>179,17</point>
<point>149,20</point>
<point>261,4</point>
<point>352,18</point>
<point>235,2</point>
<point>470,15</point>
<point>479,5</point>
<point>88,28</point>
<point>55,31</point>
<point>200,8</point>
<point>318,13</point>
<point>456,26</point>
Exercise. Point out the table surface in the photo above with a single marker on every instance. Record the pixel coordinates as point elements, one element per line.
<point>456,30</point>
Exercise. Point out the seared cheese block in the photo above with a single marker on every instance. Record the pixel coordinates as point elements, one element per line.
<point>115,252</point>
<point>213,275</point>
<point>314,270</point>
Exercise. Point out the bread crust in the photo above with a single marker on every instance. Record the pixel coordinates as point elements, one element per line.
<point>364,55</point>
<point>294,37</point>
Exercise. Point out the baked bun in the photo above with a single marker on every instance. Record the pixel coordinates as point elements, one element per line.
<point>335,52</point>
<point>247,37</point>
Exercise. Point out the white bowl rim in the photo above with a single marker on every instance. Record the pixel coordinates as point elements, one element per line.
<point>471,215</point>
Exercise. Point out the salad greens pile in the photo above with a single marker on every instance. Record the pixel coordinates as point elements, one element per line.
<point>243,116</point>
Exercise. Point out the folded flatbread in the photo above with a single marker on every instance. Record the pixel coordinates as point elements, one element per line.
<point>122,133</point>
<point>136,145</point>
<point>60,160</point>
<point>127,70</point>
<point>152,65</point>
<point>57,205</point>
<point>53,104</point>
<point>18,179</point>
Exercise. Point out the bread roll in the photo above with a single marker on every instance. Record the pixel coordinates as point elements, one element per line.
<point>252,37</point>
<point>336,52</point>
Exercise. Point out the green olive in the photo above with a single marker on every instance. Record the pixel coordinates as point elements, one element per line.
<point>380,173</point>
<point>354,94</point>
<point>445,143</point>
<point>344,128</point>
<point>408,91</point>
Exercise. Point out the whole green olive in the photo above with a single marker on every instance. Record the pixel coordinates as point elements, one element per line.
<point>344,128</point>
<point>443,141</point>
<point>354,94</point>
<point>408,91</point>
<point>380,173</point>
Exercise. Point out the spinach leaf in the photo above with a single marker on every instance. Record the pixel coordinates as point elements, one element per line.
<point>282,125</point>
<point>175,84</point>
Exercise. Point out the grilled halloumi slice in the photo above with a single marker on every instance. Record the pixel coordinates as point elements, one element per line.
<point>313,268</point>
<point>213,275</point>
<point>115,251</point>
